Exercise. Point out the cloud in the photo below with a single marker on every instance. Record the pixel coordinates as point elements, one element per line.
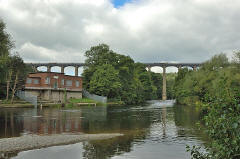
<point>31,52</point>
<point>146,30</point>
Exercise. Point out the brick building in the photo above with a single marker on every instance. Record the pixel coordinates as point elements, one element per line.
<point>52,86</point>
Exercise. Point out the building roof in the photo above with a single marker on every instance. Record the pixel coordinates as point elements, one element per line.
<point>46,72</point>
<point>54,73</point>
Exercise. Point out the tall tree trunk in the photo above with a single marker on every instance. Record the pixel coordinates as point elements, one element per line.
<point>14,87</point>
<point>8,82</point>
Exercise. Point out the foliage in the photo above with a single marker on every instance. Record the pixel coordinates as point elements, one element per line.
<point>109,86</point>
<point>6,44</point>
<point>197,152</point>
<point>170,77</point>
<point>149,89</point>
<point>73,102</point>
<point>12,68</point>
<point>236,60</point>
<point>193,86</point>
<point>216,88</point>
<point>157,82</point>
<point>117,76</point>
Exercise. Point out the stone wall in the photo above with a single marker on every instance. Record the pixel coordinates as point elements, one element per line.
<point>54,95</point>
<point>74,95</point>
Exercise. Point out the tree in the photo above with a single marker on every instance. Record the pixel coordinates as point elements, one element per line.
<point>105,81</point>
<point>170,77</point>
<point>236,60</point>
<point>157,82</point>
<point>216,62</point>
<point>215,89</point>
<point>19,71</point>
<point>6,45</point>
<point>100,55</point>
<point>16,74</point>
<point>135,82</point>
<point>149,90</point>
<point>13,71</point>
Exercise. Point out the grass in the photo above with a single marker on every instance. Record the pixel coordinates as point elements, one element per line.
<point>16,105</point>
<point>87,100</point>
<point>73,101</point>
<point>113,101</point>
<point>82,100</point>
<point>15,101</point>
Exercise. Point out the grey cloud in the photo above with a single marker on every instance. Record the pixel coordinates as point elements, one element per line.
<point>184,31</point>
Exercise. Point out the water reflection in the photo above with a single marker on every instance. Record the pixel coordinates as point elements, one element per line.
<point>157,129</point>
<point>163,117</point>
<point>16,122</point>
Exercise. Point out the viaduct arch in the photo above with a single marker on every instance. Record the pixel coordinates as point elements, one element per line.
<point>194,66</point>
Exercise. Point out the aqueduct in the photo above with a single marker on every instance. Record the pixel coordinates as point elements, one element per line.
<point>194,66</point>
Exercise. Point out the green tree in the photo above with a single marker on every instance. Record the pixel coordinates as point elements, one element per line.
<point>236,60</point>
<point>100,55</point>
<point>135,81</point>
<point>149,90</point>
<point>105,81</point>
<point>13,71</point>
<point>215,88</point>
<point>170,77</point>
<point>6,45</point>
<point>157,82</point>
<point>217,62</point>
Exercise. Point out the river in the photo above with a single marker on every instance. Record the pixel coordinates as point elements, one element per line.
<point>157,130</point>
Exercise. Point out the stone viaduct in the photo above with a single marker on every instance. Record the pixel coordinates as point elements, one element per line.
<point>194,66</point>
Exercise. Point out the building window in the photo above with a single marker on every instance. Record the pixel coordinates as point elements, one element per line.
<point>36,81</point>
<point>69,83</point>
<point>55,85</point>
<point>62,82</point>
<point>29,80</point>
<point>77,84</point>
<point>47,80</point>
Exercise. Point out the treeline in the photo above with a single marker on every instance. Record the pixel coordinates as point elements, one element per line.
<point>12,68</point>
<point>215,88</point>
<point>119,78</point>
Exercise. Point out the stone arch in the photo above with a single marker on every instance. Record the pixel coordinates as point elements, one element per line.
<point>157,69</point>
<point>42,68</point>
<point>188,67</point>
<point>69,70</point>
<point>56,69</point>
<point>80,71</point>
<point>171,69</point>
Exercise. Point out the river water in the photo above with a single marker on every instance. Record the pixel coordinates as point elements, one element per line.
<point>158,130</point>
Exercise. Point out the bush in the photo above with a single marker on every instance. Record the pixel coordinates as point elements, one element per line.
<point>215,87</point>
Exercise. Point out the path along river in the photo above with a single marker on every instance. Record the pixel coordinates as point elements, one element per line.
<point>158,130</point>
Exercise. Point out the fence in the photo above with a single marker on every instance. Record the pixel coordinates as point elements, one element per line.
<point>27,97</point>
<point>95,97</point>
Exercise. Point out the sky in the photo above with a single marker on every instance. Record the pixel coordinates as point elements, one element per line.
<point>119,3</point>
<point>146,30</point>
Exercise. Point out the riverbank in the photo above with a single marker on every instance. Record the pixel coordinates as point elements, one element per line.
<point>70,104</point>
<point>29,142</point>
<point>16,104</point>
